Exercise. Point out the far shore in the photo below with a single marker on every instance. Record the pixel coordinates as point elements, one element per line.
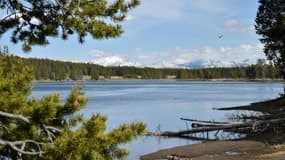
<point>194,80</point>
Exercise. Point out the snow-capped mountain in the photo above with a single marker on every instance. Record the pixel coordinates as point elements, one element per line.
<point>213,63</point>
<point>196,64</point>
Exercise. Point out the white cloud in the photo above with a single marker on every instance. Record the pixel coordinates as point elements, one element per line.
<point>162,64</point>
<point>246,47</point>
<point>209,6</point>
<point>224,49</point>
<point>224,54</point>
<point>105,59</point>
<point>138,49</point>
<point>232,23</point>
<point>177,57</point>
<point>96,53</point>
<point>176,9</point>
<point>237,26</point>
<point>130,18</point>
<point>113,61</point>
<point>170,9</point>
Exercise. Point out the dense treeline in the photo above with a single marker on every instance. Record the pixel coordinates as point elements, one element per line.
<point>260,70</point>
<point>56,70</point>
<point>46,69</point>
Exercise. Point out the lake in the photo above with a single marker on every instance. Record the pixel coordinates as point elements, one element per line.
<point>160,104</point>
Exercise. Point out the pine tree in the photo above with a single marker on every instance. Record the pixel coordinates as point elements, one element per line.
<point>33,21</point>
<point>270,24</point>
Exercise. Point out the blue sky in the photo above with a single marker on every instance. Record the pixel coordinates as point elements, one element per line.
<point>167,33</point>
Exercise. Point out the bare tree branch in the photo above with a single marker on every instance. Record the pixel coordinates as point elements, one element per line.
<point>9,16</point>
<point>15,116</point>
<point>51,128</point>
<point>19,146</point>
<point>50,131</point>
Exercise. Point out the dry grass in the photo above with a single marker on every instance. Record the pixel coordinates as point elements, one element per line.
<point>272,155</point>
<point>273,151</point>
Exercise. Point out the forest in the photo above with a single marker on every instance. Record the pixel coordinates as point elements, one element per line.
<point>46,69</point>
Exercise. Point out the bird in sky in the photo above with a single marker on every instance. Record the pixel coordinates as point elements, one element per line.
<point>220,36</point>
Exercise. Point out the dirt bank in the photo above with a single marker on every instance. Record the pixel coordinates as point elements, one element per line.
<point>221,150</point>
<point>208,150</point>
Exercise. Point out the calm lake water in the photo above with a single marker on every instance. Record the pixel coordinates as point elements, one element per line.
<point>161,103</point>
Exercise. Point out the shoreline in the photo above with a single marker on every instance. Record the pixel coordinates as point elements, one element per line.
<point>207,150</point>
<point>233,80</point>
<point>266,146</point>
<point>220,150</point>
<point>178,80</point>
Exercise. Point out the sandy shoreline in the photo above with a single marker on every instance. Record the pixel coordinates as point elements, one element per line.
<point>219,150</point>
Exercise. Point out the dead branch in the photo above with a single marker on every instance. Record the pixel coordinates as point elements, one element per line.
<point>53,129</point>
<point>19,146</point>
<point>15,116</point>
<point>250,127</point>
<point>50,131</point>
<point>194,120</point>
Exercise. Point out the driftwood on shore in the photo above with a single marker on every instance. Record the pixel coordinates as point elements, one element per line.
<point>272,119</point>
<point>208,126</point>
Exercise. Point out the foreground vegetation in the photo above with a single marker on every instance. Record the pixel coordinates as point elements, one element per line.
<point>46,128</point>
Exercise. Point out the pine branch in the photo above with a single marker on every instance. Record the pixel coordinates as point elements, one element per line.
<point>53,129</point>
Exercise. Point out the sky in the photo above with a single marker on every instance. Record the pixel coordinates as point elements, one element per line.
<point>167,33</point>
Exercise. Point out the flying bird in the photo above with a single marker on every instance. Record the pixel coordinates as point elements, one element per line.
<point>220,36</point>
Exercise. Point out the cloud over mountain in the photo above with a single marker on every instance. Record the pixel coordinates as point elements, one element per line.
<point>224,56</point>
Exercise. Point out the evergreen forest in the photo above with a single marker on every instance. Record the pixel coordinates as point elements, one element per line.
<point>46,69</point>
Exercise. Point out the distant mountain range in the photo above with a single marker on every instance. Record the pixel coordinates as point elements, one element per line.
<point>214,63</point>
<point>198,64</point>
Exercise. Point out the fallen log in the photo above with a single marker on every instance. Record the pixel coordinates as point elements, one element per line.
<point>200,123</point>
<point>194,120</point>
<point>251,127</point>
<point>203,124</point>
